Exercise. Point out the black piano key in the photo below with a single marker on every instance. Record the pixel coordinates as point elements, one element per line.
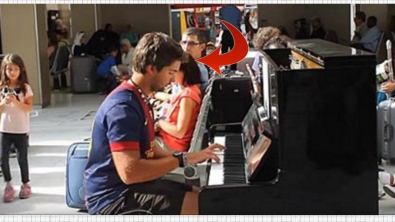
<point>233,173</point>
<point>235,176</point>
<point>233,181</point>
<point>239,169</point>
<point>233,163</point>
<point>234,166</point>
<point>239,175</point>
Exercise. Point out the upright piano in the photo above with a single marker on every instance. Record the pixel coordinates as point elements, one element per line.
<point>308,145</point>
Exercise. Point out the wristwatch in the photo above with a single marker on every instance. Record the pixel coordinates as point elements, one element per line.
<point>181,158</point>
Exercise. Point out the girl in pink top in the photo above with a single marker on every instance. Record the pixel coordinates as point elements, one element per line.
<point>16,102</point>
<point>175,131</point>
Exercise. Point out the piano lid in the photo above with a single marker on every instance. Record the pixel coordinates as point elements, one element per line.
<point>327,50</point>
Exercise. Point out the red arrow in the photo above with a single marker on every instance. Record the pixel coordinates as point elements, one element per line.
<point>238,52</point>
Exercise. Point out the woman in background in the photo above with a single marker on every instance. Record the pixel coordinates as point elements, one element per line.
<point>176,128</point>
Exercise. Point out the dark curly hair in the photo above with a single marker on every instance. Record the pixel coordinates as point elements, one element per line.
<point>264,35</point>
<point>277,42</point>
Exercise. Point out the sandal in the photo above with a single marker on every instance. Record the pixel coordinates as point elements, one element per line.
<point>390,190</point>
<point>385,180</point>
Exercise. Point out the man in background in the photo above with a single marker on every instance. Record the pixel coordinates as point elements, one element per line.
<point>360,26</point>
<point>194,42</point>
<point>371,37</point>
<point>233,15</point>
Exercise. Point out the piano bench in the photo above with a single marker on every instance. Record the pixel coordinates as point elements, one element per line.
<point>193,175</point>
<point>176,175</point>
<point>178,171</point>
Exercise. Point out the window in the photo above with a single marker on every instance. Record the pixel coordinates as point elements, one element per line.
<point>353,10</point>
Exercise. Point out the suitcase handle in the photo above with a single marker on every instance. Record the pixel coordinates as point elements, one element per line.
<point>78,147</point>
<point>388,132</point>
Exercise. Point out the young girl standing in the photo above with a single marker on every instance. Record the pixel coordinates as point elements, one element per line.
<point>16,102</point>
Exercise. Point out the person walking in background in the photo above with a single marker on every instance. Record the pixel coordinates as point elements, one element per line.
<point>233,15</point>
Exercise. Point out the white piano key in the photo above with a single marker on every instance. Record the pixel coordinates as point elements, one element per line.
<point>216,176</point>
<point>217,172</point>
<point>220,140</point>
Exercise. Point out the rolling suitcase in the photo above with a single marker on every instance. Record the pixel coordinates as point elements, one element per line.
<point>386,119</point>
<point>83,74</point>
<point>77,156</point>
<point>385,130</point>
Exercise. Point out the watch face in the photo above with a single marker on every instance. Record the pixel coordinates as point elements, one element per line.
<point>177,153</point>
<point>180,158</point>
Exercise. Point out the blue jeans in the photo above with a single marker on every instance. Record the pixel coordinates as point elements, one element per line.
<point>381,96</point>
<point>21,144</point>
<point>107,82</point>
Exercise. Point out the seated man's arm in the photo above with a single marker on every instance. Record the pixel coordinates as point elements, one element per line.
<point>357,34</point>
<point>368,37</point>
<point>388,86</point>
<point>161,153</point>
<point>204,74</point>
<point>204,77</point>
<point>124,126</point>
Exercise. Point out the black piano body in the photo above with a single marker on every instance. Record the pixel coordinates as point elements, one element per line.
<point>322,123</point>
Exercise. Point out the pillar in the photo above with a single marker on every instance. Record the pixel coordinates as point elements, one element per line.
<point>83,18</point>
<point>26,36</point>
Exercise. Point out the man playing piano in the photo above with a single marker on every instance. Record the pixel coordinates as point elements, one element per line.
<point>193,42</point>
<point>125,169</point>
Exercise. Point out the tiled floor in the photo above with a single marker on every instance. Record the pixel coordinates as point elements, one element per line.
<point>387,203</point>
<point>53,129</point>
<point>69,119</point>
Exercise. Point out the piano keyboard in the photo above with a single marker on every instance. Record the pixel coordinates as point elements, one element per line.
<point>231,168</point>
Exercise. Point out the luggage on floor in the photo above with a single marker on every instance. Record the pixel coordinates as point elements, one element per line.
<point>83,74</point>
<point>386,118</point>
<point>77,156</point>
<point>385,129</point>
